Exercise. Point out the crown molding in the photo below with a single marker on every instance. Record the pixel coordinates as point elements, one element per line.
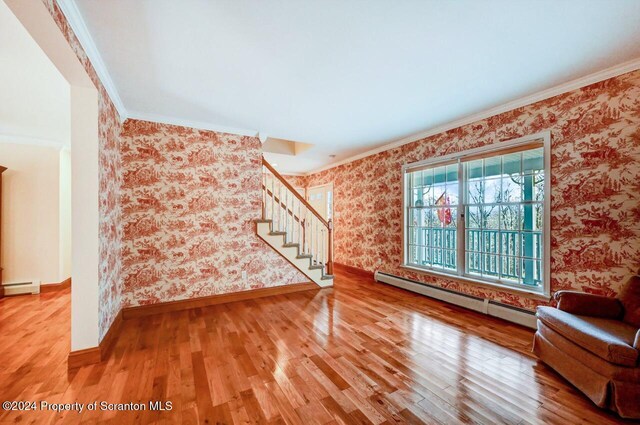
<point>586,80</point>
<point>293,174</point>
<point>74,17</point>
<point>32,141</point>
<point>163,119</point>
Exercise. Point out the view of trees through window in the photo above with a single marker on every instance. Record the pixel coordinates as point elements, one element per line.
<point>497,202</point>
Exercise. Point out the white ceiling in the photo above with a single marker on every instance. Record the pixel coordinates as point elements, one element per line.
<point>348,75</point>
<point>34,97</point>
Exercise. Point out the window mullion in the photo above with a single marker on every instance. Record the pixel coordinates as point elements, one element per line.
<point>461,228</point>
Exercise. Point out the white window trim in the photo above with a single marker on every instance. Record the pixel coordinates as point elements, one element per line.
<point>545,136</point>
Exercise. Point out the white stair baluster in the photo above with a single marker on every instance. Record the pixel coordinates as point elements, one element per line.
<point>300,226</point>
<point>286,215</point>
<point>273,204</point>
<point>280,207</point>
<point>264,193</point>
<point>311,237</point>
<point>322,243</point>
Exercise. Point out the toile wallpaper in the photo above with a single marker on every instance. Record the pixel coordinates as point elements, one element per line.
<point>595,208</point>
<point>189,199</point>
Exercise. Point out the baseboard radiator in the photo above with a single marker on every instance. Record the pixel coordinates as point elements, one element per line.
<point>20,288</point>
<point>482,305</point>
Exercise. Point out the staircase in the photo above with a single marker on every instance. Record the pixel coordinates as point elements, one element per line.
<point>292,227</point>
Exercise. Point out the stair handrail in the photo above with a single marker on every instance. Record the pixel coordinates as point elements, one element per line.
<point>326,223</point>
<point>295,193</point>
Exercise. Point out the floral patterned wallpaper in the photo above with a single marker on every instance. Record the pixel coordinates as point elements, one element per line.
<point>189,199</point>
<point>110,180</point>
<point>595,134</point>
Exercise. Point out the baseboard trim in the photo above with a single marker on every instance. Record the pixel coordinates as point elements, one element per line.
<point>52,287</point>
<point>486,306</point>
<point>97,354</point>
<point>84,357</point>
<point>150,309</point>
<point>93,355</point>
<point>353,270</point>
<point>109,339</point>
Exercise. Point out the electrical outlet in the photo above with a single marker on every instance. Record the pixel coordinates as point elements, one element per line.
<point>244,275</point>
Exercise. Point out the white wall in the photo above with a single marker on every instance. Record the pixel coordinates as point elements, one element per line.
<point>35,17</point>
<point>34,96</point>
<point>31,214</point>
<point>85,223</point>
<point>65,213</point>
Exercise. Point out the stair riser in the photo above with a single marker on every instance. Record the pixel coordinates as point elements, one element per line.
<point>290,253</point>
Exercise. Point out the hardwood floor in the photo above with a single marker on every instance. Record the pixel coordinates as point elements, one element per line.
<point>359,353</point>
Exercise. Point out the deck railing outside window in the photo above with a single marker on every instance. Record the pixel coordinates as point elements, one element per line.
<point>480,216</point>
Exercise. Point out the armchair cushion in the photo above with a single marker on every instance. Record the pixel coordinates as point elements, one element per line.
<point>611,340</point>
<point>630,299</point>
<point>589,304</point>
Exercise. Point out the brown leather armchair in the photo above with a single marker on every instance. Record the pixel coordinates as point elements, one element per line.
<point>594,342</point>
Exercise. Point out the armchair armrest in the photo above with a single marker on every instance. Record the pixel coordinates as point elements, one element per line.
<point>636,343</point>
<point>588,304</point>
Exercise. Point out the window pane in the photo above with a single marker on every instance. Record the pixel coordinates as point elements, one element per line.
<point>426,258</point>
<point>532,160</point>
<point>492,167</point>
<point>510,269</point>
<point>528,214</point>
<point>511,190</point>
<point>416,178</point>
<point>490,265</point>
<point>439,175</point>
<point>509,217</point>
<point>474,217</point>
<point>490,217</point>
<point>451,191</point>
<point>511,163</point>
<point>538,186</point>
<point>412,257</point>
<point>491,191</point>
<point>509,243</point>
<point>425,219</point>
<point>437,257</point>
<point>413,218</point>
<point>474,240</point>
<point>416,197</point>
<point>473,169</point>
<point>438,194</point>
<point>474,263</point>
<point>449,258</point>
<point>452,173</point>
<point>531,245</point>
<point>411,235</point>
<point>504,216</point>
<point>475,192</point>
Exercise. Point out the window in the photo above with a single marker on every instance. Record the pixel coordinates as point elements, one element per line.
<point>482,214</point>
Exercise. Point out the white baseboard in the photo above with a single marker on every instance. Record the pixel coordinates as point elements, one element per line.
<point>481,305</point>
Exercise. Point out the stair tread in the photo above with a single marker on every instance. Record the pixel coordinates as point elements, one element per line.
<point>291,245</point>
<point>263,220</point>
<point>327,277</point>
<point>277,233</point>
<point>316,266</point>
<point>304,256</point>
